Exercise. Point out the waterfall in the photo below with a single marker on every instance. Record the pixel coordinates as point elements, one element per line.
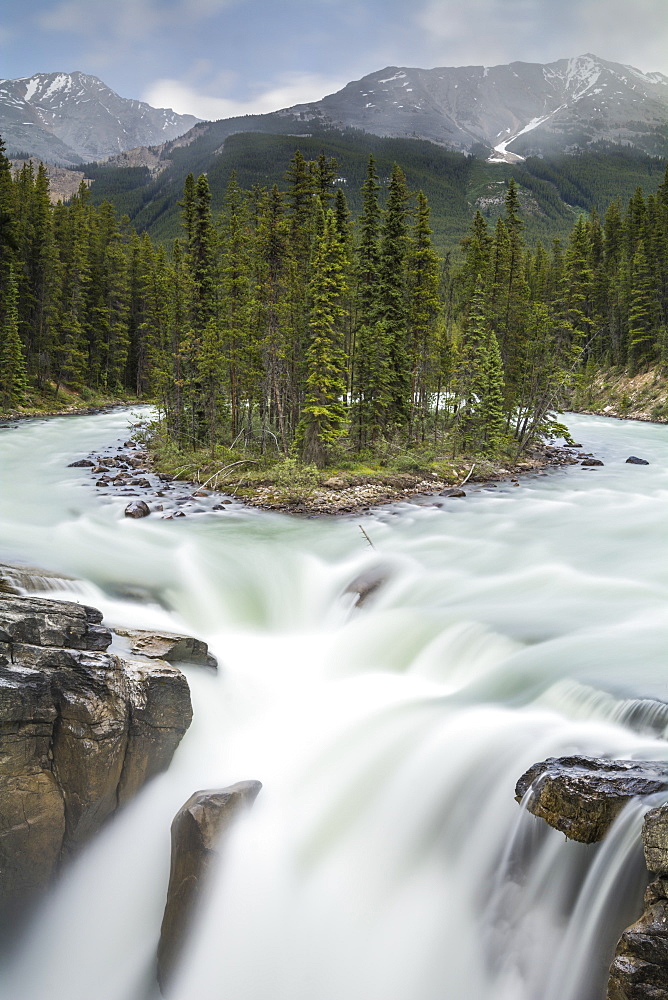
<point>385,858</point>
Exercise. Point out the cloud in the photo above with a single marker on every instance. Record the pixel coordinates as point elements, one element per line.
<point>290,89</point>
<point>500,31</point>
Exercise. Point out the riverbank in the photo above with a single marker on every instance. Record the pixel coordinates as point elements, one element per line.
<point>643,396</point>
<point>64,400</point>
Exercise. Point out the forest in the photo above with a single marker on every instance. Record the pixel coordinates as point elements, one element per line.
<point>281,324</point>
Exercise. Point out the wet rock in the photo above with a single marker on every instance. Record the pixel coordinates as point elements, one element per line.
<point>634,460</point>
<point>138,508</point>
<point>197,831</point>
<point>367,583</point>
<point>655,840</point>
<point>455,492</point>
<point>582,796</point>
<point>639,970</point>
<point>591,461</point>
<point>80,731</point>
<point>82,463</point>
<point>167,646</point>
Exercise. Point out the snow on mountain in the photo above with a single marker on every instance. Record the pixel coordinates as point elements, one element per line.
<point>71,118</point>
<point>565,105</point>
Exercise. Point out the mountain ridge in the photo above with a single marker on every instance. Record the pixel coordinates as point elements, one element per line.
<point>71,118</point>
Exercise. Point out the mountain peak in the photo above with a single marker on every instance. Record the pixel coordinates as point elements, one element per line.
<point>70,118</point>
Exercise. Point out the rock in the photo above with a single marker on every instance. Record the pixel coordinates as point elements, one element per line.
<point>640,968</point>
<point>582,796</point>
<point>455,492</point>
<point>367,583</point>
<point>633,460</point>
<point>80,731</point>
<point>655,840</point>
<point>591,461</point>
<point>82,463</point>
<point>138,508</point>
<point>335,483</point>
<point>167,646</point>
<point>197,831</point>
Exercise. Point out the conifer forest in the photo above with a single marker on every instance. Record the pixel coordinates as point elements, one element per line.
<point>285,325</point>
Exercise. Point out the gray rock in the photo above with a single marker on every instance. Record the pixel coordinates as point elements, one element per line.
<point>138,508</point>
<point>81,730</point>
<point>655,840</point>
<point>639,970</point>
<point>167,646</point>
<point>591,461</point>
<point>582,796</point>
<point>633,460</point>
<point>198,830</point>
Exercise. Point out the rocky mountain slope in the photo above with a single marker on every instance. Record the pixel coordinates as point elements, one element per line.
<point>505,111</point>
<point>72,118</point>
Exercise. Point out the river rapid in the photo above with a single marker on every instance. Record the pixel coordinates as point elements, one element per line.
<point>385,858</point>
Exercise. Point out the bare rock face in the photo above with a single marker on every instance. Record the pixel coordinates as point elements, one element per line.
<point>198,831</point>
<point>81,731</point>
<point>640,967</point>
<point>582,796</point>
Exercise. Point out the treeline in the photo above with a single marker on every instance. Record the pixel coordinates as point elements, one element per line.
<point>280,324</point>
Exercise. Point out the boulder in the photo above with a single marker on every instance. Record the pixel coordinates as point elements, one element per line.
<point>655,840</point>
<point>591,461</point>
<point>138,508</point>
<point>639,970</point>
<point>454,492</point>
<point>633,460</point>
<point>80,731</point>
<point>582,796</point>
<point>197,832</point>
<point>81,464</point>
<point>167,646</point>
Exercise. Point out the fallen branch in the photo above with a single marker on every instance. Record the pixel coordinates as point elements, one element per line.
<point>469,475</point>
<point>244,461</point>
<point>366,536</point>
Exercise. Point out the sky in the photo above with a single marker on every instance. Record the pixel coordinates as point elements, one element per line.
<point>219,58</point>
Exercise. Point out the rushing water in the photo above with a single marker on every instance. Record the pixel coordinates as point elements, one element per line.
<point>385,858</point>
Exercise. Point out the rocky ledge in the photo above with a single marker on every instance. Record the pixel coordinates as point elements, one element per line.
<point>81,730</point>
<point>582,796</point>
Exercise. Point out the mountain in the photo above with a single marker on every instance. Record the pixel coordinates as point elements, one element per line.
<point>72,118</point>
<point>535,109</point>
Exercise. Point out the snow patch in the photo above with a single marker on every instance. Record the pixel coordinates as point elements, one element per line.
<point>60,82</point>
<point>31,89</point>
<point>397,76</point>
<point>504,155</point>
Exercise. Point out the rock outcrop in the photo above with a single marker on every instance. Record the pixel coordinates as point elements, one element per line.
<point>81,730</point>
<point>198,830</point>
<point>582,796</point>
<point>167,646</point>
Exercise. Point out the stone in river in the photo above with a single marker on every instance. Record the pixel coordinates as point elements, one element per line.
<point>582,796</point>
<point>634,460</point>
<point>138,508</point>
<point>197,832</point>
<point>592,461</point>
<point>453,493</point>
<point>82,463</point>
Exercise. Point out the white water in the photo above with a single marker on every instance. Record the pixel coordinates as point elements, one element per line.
<point>385,858</point>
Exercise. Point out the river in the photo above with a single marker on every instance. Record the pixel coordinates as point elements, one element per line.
<point>385,858</point>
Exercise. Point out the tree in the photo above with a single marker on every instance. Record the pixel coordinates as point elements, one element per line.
<point>323,414</point>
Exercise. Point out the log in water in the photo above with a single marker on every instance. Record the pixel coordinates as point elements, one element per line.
<point>385,858</point>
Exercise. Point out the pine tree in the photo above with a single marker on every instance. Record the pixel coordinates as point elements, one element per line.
<point>323,415</point>
<point>13,380</point>
<point>423,309</point>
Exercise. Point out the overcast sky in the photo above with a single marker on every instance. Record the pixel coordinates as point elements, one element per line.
<point>217,58</point>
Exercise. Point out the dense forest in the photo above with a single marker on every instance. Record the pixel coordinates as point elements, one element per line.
<point>552,190</point>
<point>280,324</point>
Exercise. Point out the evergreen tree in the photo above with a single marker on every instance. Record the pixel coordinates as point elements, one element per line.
<point>323,415</point>
<point>13,381</point>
